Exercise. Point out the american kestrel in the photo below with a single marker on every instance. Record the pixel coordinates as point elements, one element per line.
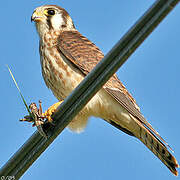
<point>67,57</point>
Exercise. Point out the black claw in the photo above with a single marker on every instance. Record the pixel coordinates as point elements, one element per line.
<point>52,123</point>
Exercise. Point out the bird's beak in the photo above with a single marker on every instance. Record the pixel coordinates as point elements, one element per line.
<point>36,16</point>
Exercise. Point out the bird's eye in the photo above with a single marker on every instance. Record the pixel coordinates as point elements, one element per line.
<point>51,12</point>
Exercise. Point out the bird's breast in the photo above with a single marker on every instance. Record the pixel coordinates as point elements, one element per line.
<point>59,75</point>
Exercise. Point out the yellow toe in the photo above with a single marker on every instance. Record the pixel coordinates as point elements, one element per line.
<point>51,110</point>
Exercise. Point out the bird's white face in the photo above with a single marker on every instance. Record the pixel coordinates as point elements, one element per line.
<point>51,17</point>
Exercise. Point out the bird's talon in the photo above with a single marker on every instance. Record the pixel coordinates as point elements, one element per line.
<point>48,113</point>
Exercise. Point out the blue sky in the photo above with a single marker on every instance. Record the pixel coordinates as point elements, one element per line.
<point>151,75</point>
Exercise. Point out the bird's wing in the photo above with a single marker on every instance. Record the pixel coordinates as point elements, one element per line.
<point>79,50</point>
<point>84,55</point>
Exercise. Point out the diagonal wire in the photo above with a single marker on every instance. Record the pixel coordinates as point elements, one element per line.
<point>36,144</point>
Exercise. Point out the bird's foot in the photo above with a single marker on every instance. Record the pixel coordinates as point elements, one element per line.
<point>48,113</point>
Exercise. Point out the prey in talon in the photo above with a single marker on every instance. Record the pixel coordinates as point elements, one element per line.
<point>36,117</point>
<point>35,114</point>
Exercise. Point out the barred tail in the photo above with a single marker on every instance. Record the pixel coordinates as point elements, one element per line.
<point>157,147</point>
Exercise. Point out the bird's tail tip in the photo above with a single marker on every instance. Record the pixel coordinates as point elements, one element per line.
<point>174,171</point>
<point>158,148</point>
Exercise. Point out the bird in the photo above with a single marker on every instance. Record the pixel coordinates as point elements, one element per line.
<point>66,57</point>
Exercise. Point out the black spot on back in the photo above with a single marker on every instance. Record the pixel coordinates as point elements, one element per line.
<point>163,151</point>
<point>158,147</point>
<point>64,26</point>
<point>169,157</point>
<point>146,135</point>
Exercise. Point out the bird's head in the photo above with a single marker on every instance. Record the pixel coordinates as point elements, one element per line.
<point>51,17</point>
